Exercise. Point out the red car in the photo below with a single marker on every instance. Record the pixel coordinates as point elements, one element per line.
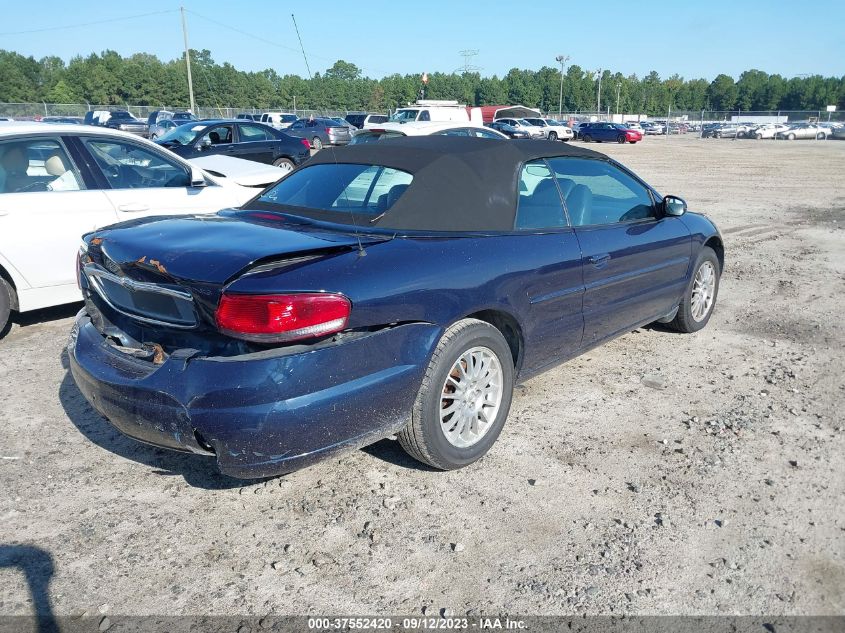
<point>604,131</point>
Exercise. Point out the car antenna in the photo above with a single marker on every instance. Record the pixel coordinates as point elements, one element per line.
<point>361,251</point>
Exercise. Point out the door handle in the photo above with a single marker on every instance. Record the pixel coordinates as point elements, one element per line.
<point>135,207</point>
<point>599,261</point>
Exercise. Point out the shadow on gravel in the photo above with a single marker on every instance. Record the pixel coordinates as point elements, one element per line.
<point>198,471</point>
<point>40,316</point>
<point>391,452</point>
<point>38,568</point>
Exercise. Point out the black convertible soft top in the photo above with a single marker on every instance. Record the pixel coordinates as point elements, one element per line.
<point>460,183</point>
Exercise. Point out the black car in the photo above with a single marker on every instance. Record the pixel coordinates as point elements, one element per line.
<point>508,130</point>
<point>238,138</point>
<point>123,120</point>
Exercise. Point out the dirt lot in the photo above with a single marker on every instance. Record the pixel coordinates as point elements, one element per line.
<point>722,492</point>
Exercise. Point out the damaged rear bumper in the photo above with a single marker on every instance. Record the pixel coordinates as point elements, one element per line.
<point>259,414</point>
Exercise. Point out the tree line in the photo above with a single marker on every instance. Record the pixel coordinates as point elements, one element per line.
<point>142,79</point>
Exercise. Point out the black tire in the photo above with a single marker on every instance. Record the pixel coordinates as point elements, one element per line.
<point>717,135</point>
<point>588,138</point>
<point>317,143</point>
<point>285,163</point>
<point>758,136</point>
<point>621,139</point>
<point>423,439</point>
<point>552,136</point>
<point>820,136</point>
<point>5,306</point>
<point>684,320</point>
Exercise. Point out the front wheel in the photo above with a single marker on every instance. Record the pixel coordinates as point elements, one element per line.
<point>464,398</point>
<point>820,136</point>
<point>758,136</point>
<point>588,138</point>
<point>285,164</point>
<point>699,299</point>
<point>790,137</point>
<point>552,136</point>
<point>317,143</point>
<point>621,139</point>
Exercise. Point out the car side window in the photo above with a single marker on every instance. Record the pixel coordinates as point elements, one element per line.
<point>219,135</point>
<point>37,164</point>
<point>129,166</point>
<point>253,133</point>
<point>596,192</point>
<point>424,116</point>
<point>461,131</point>
<point>539,204</point>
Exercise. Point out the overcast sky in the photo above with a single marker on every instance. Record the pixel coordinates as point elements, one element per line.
<point>408,37</point>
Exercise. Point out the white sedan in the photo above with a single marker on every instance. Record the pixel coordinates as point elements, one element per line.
<point>60,181</point>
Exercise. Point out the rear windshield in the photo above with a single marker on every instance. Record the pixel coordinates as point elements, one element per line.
<point>343,193</point>
<point>373,137</point>
<point>377,118</point>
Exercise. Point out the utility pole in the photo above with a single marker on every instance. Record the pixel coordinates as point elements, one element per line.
<point>562,59</point>
<point>618,88</point>
<point>468,54</point>
<point>598,96</point>
<point>188,62</point>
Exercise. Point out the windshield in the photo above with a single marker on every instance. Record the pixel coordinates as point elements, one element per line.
<point>183,134</point>
<point>404,115</point>
<point>341,192</point>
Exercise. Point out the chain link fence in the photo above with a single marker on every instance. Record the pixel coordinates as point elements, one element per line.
<point>35,111</point>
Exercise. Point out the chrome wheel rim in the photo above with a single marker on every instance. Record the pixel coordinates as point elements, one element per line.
<point>285,166</point>
<point>703,291</point>
<point>471,397</point>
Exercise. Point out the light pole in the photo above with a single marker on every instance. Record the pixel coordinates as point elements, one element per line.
<point>618,88</point>
<point>562,59</point>
<point>598,96</point>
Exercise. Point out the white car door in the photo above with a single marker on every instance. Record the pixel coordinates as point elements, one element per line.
<point>45,208</point>
<point>148,181</point>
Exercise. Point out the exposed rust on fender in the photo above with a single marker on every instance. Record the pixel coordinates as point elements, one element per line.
<point>97,241</point>
<point>158,353</point>
<point>158,265</point>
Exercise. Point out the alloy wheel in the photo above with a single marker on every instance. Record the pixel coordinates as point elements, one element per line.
<point>703,291</point>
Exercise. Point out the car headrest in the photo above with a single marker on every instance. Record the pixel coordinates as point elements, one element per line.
<point>542,209</point>
<point>15,162</point>
<point>54,165</point>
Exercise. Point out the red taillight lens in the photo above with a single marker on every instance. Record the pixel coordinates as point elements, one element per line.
<point>329,130</point>
<point>306,143</point>
<point>282,318</point>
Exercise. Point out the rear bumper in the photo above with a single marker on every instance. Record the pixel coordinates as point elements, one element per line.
<point>259,414</point>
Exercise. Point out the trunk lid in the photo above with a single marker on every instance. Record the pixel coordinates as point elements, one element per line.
<point>209,249</point>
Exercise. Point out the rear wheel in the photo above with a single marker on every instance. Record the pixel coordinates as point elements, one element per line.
<point>700,296</point>
<point>552,136</point>
<point>758,136</point>
<point>317,143</point>
<point>621,139</point>
<point>464,398</point>
<point>5,306</point>
<point>588,138</point>
<point>790,137</point>
<point>285,164</point>
<point>820,136</point>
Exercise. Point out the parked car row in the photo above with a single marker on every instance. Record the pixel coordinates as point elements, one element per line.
<point>783,131</point>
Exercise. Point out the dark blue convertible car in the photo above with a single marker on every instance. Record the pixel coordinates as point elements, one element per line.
<point>399,287</point>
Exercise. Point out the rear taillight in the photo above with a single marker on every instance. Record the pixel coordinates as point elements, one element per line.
<point>282,318</point>
<point>329,130</point>
<point>306,143</point>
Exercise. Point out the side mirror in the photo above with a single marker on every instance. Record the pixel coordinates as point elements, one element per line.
<point>197,178</point>
<point>204,143</point>
<point>674,206</point>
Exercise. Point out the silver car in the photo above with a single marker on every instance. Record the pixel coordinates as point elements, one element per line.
<point>805,130</point>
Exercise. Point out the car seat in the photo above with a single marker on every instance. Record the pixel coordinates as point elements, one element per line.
<point>55,165</point>
<point>542,209</point>
<point>214,137</point>
<point>15,164</point>
<point>387,200</point>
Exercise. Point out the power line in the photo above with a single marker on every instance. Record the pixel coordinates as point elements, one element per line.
<point>307,67</point>
<point>84,24</point>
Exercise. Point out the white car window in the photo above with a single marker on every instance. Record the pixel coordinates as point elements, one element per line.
<point>37,164</point>
<point>129,166</point>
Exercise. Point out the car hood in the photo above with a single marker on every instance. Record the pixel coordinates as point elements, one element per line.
<point>246,173</point>
<point>209,248</point>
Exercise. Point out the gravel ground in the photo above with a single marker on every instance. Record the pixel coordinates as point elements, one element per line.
<point>662,473</point>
